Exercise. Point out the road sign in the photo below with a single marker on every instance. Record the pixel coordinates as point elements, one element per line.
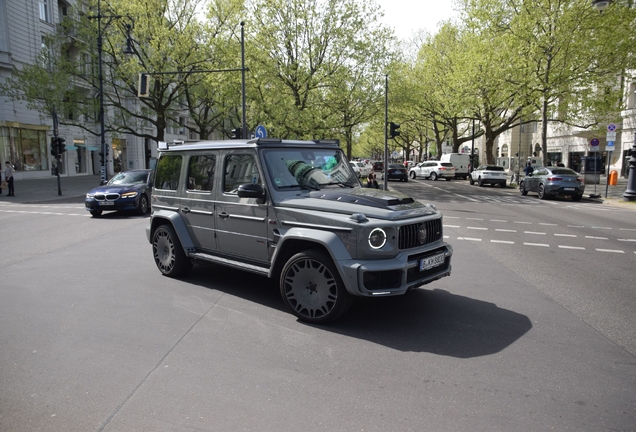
<point>609,146</point>
<point>594,142</point>
<point>611,127</point>
<point>260,131</point>
<point>611,136</point>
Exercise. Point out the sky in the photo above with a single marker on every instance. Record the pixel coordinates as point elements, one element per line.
<point>407,16</point>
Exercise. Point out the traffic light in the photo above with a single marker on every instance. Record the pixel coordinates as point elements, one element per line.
<point>61,147</point>
<point>237,133</point>
<point>53,147</point>
<point>142,88</point>
<point>393,130</point>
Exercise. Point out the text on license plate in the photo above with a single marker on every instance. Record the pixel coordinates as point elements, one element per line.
<point>568,189</point>
<point>106,203</point>
<point>433,261</point>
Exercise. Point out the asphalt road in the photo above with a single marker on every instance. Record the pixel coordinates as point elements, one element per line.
<point>519,338</point>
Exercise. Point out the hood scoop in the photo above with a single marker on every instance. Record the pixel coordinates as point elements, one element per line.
<point>365,196</point>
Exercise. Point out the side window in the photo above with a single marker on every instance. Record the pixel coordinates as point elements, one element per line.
<point>167,172</point>
<point>201,172</point>
<point>240,169</point>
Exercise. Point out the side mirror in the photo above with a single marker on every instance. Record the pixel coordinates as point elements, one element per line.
<point>251,190</point>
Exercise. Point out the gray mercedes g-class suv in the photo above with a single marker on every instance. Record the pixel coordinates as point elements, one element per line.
<point>294,211</point>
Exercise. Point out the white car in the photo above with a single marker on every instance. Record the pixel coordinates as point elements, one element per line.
<point>361,170</point>
<point>489,174</point>
<point>433,170</point>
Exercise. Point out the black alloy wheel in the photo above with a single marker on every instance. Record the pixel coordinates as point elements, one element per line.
<point>168,253</point>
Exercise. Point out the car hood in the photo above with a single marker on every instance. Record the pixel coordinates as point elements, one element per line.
<point>106,189</point>
<point>372,202</point>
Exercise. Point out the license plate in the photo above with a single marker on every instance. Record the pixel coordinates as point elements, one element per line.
<point>106,203</point>
<point>430,262</point>
<point>568,189</point>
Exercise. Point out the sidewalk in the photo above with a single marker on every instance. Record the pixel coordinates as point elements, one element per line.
<point>32,191</point>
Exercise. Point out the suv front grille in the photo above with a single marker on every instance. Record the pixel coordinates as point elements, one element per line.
<point>408,234</point>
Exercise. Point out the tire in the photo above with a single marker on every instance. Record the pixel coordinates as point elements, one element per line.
<point>480,182</point>
<point>448,179</point>
<point>312,288</point>
<point>96,213</point>
<point>502,185</point>
<point>471,181</point>
<point>143,206</point>
<point>406,180</point>
<point>577,197</point>
<point>413,175</point>
<point>433,176</point>
<point>542,194</point>
<point>522,189</point>
<point>168,253</point>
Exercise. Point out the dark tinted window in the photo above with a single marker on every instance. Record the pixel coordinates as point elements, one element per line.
<point>564,171</point>
<point>494,168</point>
<point>201,172</point>
<point>167,172</point>
<point>446,164</point>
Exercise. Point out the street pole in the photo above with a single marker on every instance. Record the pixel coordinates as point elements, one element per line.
<point>519,153</point>
<point>386,136</point>
<point>102,131</point>
<point>243,122</point>
<point>472,151</point>
<point>630,192</point>
<point>56,150</point>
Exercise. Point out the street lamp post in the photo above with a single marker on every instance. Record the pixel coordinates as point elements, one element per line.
<point>103,153</point>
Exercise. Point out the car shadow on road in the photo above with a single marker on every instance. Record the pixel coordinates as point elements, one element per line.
<point>423,320</point>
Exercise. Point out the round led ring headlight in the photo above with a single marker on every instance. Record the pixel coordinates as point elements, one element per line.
<point>377,238</point>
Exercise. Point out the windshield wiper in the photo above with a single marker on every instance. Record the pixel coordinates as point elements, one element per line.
<point>302,186</point>
<point>341,184</point>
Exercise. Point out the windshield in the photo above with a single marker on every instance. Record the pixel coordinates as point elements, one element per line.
<point>290,168</point>
<point>129,178</point>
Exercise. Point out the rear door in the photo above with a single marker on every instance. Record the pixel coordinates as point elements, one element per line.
<point>198,204</point>
<point>241,223</point>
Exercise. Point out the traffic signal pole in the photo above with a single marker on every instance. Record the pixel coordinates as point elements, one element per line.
<point>55,151</point>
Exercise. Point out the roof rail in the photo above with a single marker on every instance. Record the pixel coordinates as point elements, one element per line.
<point>258,141</point>
<point>335,142</point>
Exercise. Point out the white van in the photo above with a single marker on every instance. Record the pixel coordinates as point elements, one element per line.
<point>460,161</point>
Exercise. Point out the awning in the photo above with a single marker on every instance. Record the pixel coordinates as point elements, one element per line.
<point>70,147</point>
<point>91,148</point>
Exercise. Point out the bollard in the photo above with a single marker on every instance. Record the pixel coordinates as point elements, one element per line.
<point>613,178</point>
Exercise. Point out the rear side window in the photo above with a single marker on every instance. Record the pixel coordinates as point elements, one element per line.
<point>201,173</point>
<point>494,168</point>
<point>447,164</point>
<point>167,172</point>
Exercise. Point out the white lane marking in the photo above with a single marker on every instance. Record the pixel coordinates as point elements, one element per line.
<point>474,219</point>
<point>601,228</point>
<point>536,244</point>
<point>596,238</point>
<point>498,220</point>
<point>576,226</point>
<point>451,226</point>
<point>468,239</point>
<point>504,230</point>
<point>627,229</point>
<point>634,240</point>
<point>565,235</point>
<point>465,197</point>
<point>520,222</point>
<point>502,241</point>
<point>477,228</point>
<point>571,247</point>
<point>610,250</point>
<point>451,217</point>
<point>548,224</point>
<point>532,232</point>
<point>446,237</point>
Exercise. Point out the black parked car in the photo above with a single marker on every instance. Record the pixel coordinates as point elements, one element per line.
<point>128,190</point>
<point>396,172</point>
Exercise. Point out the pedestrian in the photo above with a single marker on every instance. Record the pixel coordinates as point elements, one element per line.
<point>528,169</point>
<point>8,175</point>
<point>560,164</point>
<point>372,182</point>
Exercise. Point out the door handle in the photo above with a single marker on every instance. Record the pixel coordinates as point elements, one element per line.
<point>224,215</point>
<point>185,210</point>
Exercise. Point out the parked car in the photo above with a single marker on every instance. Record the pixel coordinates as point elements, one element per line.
<point>378,166</point>
<point>396,172</point>
<point>460,161</point>
<point>554,181</point>
<point>128,190</point>
<point>433,170</point>
<point>489,175</point>
<point>295,212</point>
<point>361,170</point>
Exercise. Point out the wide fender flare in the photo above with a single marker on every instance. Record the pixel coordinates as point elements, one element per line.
<point>177,222</point>
<point>329,240</point>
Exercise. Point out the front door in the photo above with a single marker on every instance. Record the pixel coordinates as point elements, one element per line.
<point>241,223</point>
<point>198,206</point>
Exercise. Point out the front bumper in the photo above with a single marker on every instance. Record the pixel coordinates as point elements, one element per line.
<point>121,204</point>
<point>395,276</point>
